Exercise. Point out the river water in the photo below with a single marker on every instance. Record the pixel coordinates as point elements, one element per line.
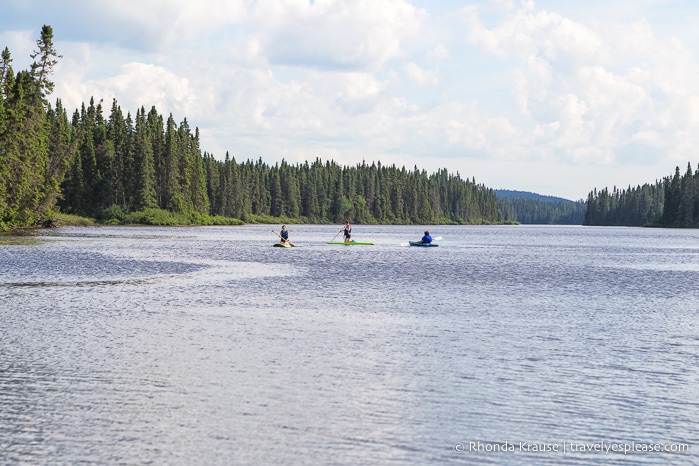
<point>205,345</point>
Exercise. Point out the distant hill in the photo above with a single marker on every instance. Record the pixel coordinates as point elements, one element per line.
<point>510,194</point>
<point>531,208</point>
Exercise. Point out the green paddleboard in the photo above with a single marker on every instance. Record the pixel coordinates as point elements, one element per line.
<point>351,243</point>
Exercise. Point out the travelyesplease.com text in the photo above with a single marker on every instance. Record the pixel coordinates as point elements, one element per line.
<point>570,447</point>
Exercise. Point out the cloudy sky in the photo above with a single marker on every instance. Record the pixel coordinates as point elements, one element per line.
<point>551,96</point>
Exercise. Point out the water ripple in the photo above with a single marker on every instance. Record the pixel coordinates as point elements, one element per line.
<point>208,345</point>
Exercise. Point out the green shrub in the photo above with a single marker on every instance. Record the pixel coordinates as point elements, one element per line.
<point>59,219</point>
<point>113,215</point>
<point>157,217</point>
<point>219,220</point>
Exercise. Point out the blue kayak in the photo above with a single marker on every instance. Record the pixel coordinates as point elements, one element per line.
<point>424,245</point>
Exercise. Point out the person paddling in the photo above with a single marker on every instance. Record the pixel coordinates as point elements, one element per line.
<point>427,238</point>
<point>284,235</point>
<point>347,230</point>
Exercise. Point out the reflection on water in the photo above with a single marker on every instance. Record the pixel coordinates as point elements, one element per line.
<point>19,238</point>
<point>207,345</point>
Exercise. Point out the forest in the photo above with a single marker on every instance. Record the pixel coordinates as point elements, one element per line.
<point>531,208</point>
<point>119,168</point>
<point>670,202</point>
<point>147,168</point>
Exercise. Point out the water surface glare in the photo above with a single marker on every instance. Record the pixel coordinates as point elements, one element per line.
<point>205,345</point>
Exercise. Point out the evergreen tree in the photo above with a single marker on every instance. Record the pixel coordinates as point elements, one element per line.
<point>118,133</point>
<point>688,193</point>
<point>145,171</point>
<point>24,152</point>
<point>172,195</point>
<point>673,200</point>
<point>61,146</point>
<point>44,60</point>
<point>670,202</point>
<point>5,72</point>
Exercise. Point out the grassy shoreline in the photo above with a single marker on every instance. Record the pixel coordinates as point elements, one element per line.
<point>159,217</point>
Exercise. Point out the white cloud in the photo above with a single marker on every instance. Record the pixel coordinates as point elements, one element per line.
<point>438,53</point>
<point>420,76</point>
<point>495,86</point>
<point>149,83</point>
<point>149,26</point>
<point>16,41</point>
<point>354,35</point>
<point>135,85</point>
<point>590,91</point>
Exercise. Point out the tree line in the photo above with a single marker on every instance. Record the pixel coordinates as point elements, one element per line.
<point>531,208</point>
<point>109,167</point>
<point>670,202</point>
<point>321,192</point>
<point>123,164</point>
<point>533,211</point>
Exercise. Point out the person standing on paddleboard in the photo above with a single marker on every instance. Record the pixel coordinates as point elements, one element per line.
<point>284,235</point>
<point>347,231</point>
<point>427,238</point>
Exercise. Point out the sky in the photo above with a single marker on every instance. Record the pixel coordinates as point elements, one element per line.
<point>556,97</point>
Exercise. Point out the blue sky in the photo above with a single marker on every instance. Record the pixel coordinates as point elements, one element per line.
<point>554,97</point>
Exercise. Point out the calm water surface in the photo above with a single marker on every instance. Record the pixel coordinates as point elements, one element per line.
<point>132,345</point>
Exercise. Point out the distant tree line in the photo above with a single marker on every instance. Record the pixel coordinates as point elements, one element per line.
<point>531,208</point>
<point>321,192</point>
<point>107,167</point>
<point>124,165</point>
<point>670,202</point>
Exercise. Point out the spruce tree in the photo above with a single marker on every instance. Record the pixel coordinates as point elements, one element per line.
<point>145,170</point>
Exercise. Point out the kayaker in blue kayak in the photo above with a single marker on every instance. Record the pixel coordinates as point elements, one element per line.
<point>427,238</point>
<point>347,230</point>
<point>284,235</point>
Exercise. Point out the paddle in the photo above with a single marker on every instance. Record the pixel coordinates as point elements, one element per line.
<point>336,235</point>
<point>282,240</point>
<point>436,238</point>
